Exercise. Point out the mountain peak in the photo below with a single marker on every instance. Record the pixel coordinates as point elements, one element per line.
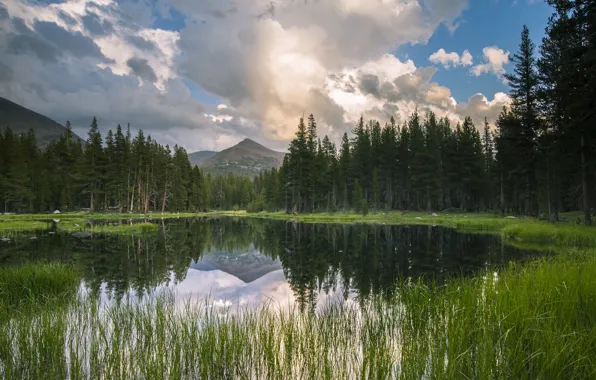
<point>246,157</point>
<point>249,142</point>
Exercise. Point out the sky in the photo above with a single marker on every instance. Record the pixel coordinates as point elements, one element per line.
<point>205,74</point>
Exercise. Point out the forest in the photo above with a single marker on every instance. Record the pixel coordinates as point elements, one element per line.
<point>538,159</point>
<point>119,174</point>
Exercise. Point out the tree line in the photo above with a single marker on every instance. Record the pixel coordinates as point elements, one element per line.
<point>537,160</point>
<point>120,173</point>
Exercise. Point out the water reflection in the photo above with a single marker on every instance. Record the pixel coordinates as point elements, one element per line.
<point>247,261</point>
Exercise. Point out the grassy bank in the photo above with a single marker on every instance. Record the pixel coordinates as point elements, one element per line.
<point>72,222</point>
<point>516,230</point>
<point>531,322</point>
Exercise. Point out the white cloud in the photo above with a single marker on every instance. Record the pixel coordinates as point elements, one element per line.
<point>379,90</point>
<point>441,57</point>
<point>272,59</point>
<point>495,59</point>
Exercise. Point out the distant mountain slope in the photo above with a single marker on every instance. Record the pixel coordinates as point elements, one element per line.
<point>247,157</point>
<point>21,119</point>
<point>198,157</point>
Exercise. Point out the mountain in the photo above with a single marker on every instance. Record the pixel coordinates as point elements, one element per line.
<point>198,157</point>
<point>247,157</point>
<point>21,119</point>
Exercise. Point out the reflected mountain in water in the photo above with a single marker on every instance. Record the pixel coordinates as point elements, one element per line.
<point>244,264</point>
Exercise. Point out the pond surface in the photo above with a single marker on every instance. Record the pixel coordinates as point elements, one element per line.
<point>251,262</point>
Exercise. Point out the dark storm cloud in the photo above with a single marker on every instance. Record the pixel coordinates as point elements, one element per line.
<point>5,73</point>
<point>26,41</point>
<point>369,84</point>
<point>68,19</point>
<point>141,68</point>
<point>74,42</point>
<point>31,44</point>
<point>96,26</point>
<point>20,27</point>
<point>3,12</point>
<point>141,43</point>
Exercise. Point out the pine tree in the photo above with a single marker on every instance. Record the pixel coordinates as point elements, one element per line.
<point>93,165</point>
<point>524,89</point>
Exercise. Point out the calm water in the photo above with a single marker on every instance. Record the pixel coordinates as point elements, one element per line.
<point>254,261</point>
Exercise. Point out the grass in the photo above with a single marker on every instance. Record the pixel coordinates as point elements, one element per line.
<point>536,321</point>
<point>21,225</point>
<point>35,285</point>
<point>109,216</point>
<point>72,222</point>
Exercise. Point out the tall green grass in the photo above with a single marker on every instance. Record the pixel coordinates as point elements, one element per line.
<point>36,285</point>
<point>536,321</point>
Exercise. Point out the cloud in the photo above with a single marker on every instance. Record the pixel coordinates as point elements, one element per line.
<point>141,43</point>
<point>272,60</point>
<point>67,18</point>
<point>32,44</point>
<point>141,68</point>
<point>495,59</point>
<point>269,64</point>
<point>69,41</point>
<point>385,92</point>
<point>96,26</point>
<point>478,107</point>
<point>441,57</point>
<point>3,12</point>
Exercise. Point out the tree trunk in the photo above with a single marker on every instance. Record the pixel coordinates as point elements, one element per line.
<point>502,195</point>
<point>91,206</point>
<point>586,189</point>
<point>139,198</point>
<point>548,196</point>
<point>132,198</point>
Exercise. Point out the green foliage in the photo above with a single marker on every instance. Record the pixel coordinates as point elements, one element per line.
<point>124,174</point>
<point>256,205</point>
<point>364,208</point>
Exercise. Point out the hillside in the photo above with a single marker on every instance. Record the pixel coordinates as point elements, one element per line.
<point>21,119</point>
<point>247,157</point>
<point>198,157</point>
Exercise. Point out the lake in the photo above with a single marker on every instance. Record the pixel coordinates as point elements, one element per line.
<point>238,261</point>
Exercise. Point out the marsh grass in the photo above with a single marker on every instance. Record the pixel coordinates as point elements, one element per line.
<point>72,222</point>
<point>21,225</point>
<point>36,286</point>
<point>536,321</point>
<point>123,228</point>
